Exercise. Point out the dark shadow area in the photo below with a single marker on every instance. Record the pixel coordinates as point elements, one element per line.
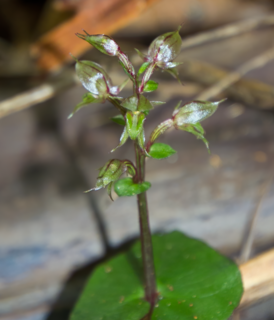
<point>75,283</point>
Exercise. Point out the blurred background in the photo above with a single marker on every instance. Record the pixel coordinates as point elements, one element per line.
<point>51,234</point>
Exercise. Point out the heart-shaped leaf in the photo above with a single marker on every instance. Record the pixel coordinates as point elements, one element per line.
<point>161,151</point>
<point>193,282</point>
<point>126,187</point>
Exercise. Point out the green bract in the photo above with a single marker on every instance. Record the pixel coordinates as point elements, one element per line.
<point>161,151</point>
<point>126,187</point>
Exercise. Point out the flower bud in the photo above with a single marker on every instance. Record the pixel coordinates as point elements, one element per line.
<point>93,78</point>
<point>194,112</point>
<point>103,43</point>
<point>112,171</point>
<point>165,48</point>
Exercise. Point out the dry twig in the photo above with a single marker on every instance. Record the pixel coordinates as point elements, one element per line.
<point>37,95</point>
<point>249,238</point>
<point>233,77</point>
<point>230,30</point>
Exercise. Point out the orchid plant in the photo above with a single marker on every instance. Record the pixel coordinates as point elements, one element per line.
<point>151,281</point>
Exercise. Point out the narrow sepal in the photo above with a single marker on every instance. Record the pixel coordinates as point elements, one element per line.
<point>123,139</point>
<point>157,103</point>
<point>140,54</point>
<point>175,74</point>
<point>199,135</point>
<point>87,99</point>
<point>194,112</point>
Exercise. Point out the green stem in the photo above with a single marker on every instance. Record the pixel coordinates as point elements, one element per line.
<point>145,234</point>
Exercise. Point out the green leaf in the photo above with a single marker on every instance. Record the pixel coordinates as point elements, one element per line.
<point>193,281</point>
<point>119,119</point>
<point>150,86</point>
<point>161,151</point>
<point>134,123</point>
<point>126,187</point>
<point>143,67</point>
<point>87,99</point>
<point>130,103</point>
<point>144,104</point>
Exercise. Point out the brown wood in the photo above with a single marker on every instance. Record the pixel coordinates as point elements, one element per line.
<point>258,278</point>
<point>53,49</point>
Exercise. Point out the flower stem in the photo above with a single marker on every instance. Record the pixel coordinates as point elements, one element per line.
<point>145,234</point>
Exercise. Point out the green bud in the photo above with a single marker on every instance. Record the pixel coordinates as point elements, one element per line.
<point>93,78</point>
<point>165,48</point>
<point>112,171</point>
<point>193,112</point>
<point>103,43</point>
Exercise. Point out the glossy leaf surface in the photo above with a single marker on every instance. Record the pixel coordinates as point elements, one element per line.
<point>165,47</point>
<point>193,281</point>
<point>126,187</point>
<point>102,42</point>
<point>193,112</point>
<point>93,78</point>
<point>161,151</point>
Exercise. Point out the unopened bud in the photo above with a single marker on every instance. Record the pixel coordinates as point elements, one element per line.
<point>103,43</point>
<point>194,112</point>
<point>112,171</point>
<point>165,48</point>
<point>93,78</point>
